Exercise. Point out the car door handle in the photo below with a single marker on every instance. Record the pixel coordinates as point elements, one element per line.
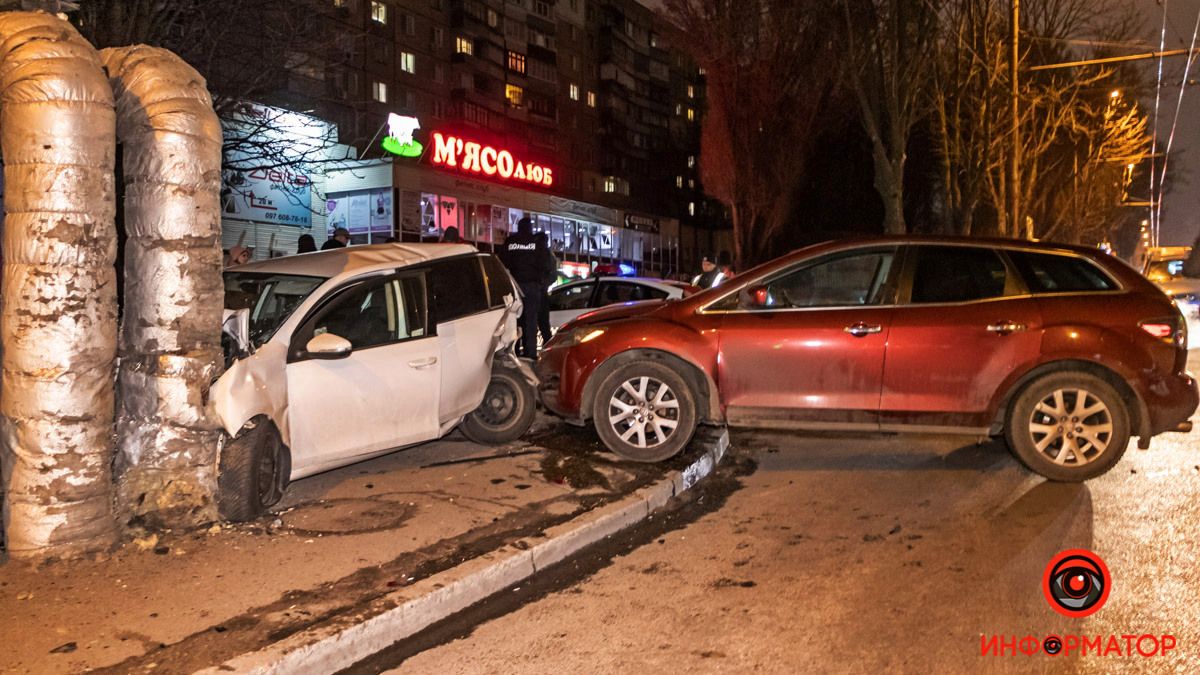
<point>1005,327</point>
<point>422,364</point>
<point>861,329</point>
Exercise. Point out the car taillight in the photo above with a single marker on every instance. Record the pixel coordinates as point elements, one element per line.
<point>1172,331</point>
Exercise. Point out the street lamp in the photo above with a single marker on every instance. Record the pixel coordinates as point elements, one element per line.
<point>1116,93</point>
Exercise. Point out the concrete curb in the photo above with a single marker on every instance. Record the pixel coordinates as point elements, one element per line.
<point>348,639</point>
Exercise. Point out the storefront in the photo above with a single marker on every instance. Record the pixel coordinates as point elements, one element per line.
<point>483,192</point>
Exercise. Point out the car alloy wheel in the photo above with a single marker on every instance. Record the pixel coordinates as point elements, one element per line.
<point>644,412</point>
<point>1071,427</point>
<point>1068,426</point>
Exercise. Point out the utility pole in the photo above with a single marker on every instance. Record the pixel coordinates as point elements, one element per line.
<point>1014,173</point>
<point>1014,163</point>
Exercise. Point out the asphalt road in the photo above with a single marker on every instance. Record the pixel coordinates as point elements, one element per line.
<point>860,554</point>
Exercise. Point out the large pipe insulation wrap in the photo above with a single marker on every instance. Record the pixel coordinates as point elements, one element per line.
<point>170,337</point>
<point>58,322</point>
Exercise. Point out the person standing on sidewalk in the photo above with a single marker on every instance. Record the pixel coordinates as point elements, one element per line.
<point>525,257</point>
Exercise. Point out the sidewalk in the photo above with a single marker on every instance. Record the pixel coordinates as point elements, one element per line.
<point>336,543</point>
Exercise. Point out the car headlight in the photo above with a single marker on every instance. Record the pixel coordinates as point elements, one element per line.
<point>575,336</point>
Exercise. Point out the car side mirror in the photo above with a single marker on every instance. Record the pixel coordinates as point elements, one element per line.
<point>328,346</point>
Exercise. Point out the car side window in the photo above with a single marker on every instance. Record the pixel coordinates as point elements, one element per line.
<point>945,274</point>
<point>844,280</point>
<point>456,289</point>
<point>498,282</point>
<point>574,296</point>
<point>373,313</point>
<point>1057,273</point>
<point>613,292</point>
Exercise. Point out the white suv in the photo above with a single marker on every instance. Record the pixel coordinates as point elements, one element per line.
<point>338,356</point>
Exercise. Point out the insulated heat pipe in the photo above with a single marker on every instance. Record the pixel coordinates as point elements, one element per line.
<point>58,289</point>
<point>170,336</point>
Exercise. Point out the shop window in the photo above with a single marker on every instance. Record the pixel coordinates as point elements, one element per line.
<point>379,12</point>
<point>408,62</point>
<point>464,45</point>
<point>379,92</point>
<point>515,95</point>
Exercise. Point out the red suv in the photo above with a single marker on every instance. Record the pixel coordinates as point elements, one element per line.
<point>1064,350</point>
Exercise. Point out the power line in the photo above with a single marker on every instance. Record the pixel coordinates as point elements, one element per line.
<point>1115,59</point>
<point>1178,105</point>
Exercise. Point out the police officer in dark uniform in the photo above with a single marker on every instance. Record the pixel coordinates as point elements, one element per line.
<point>524,255</point>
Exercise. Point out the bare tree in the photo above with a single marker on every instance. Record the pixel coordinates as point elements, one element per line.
<point>1061,123</point>
<point>770,72</point>
<point>891,44</point>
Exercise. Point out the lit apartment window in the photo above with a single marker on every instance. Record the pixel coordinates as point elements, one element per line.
<point>464,46</point>
<point>691,115</point>
<point>691,161</point>
<point>610,184</point>
<point>339,3</point>
<point>378,12</point>
<point>702,72</point>
<point>493,19</point>
<point>691,184</point>
<point>691,208</point>
<point>516,62</point>
<point>691,91</point>
<point>678,108</point>
<point>408,62</point>
<point>592,99</point>
<point>574,91</point>
<point>679,181</point>
<point>379,92</point>
<point>515,95</point>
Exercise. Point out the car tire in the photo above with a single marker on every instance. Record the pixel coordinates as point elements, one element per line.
<point>629,418</point>
<point>1044,423</point>
<point>507,410</point>
<point>252,471</point>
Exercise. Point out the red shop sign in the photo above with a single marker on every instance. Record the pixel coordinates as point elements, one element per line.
<point>472,157</point>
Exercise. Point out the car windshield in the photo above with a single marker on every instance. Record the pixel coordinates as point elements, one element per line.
<point>271,299</point>
<point>1165,270</point>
